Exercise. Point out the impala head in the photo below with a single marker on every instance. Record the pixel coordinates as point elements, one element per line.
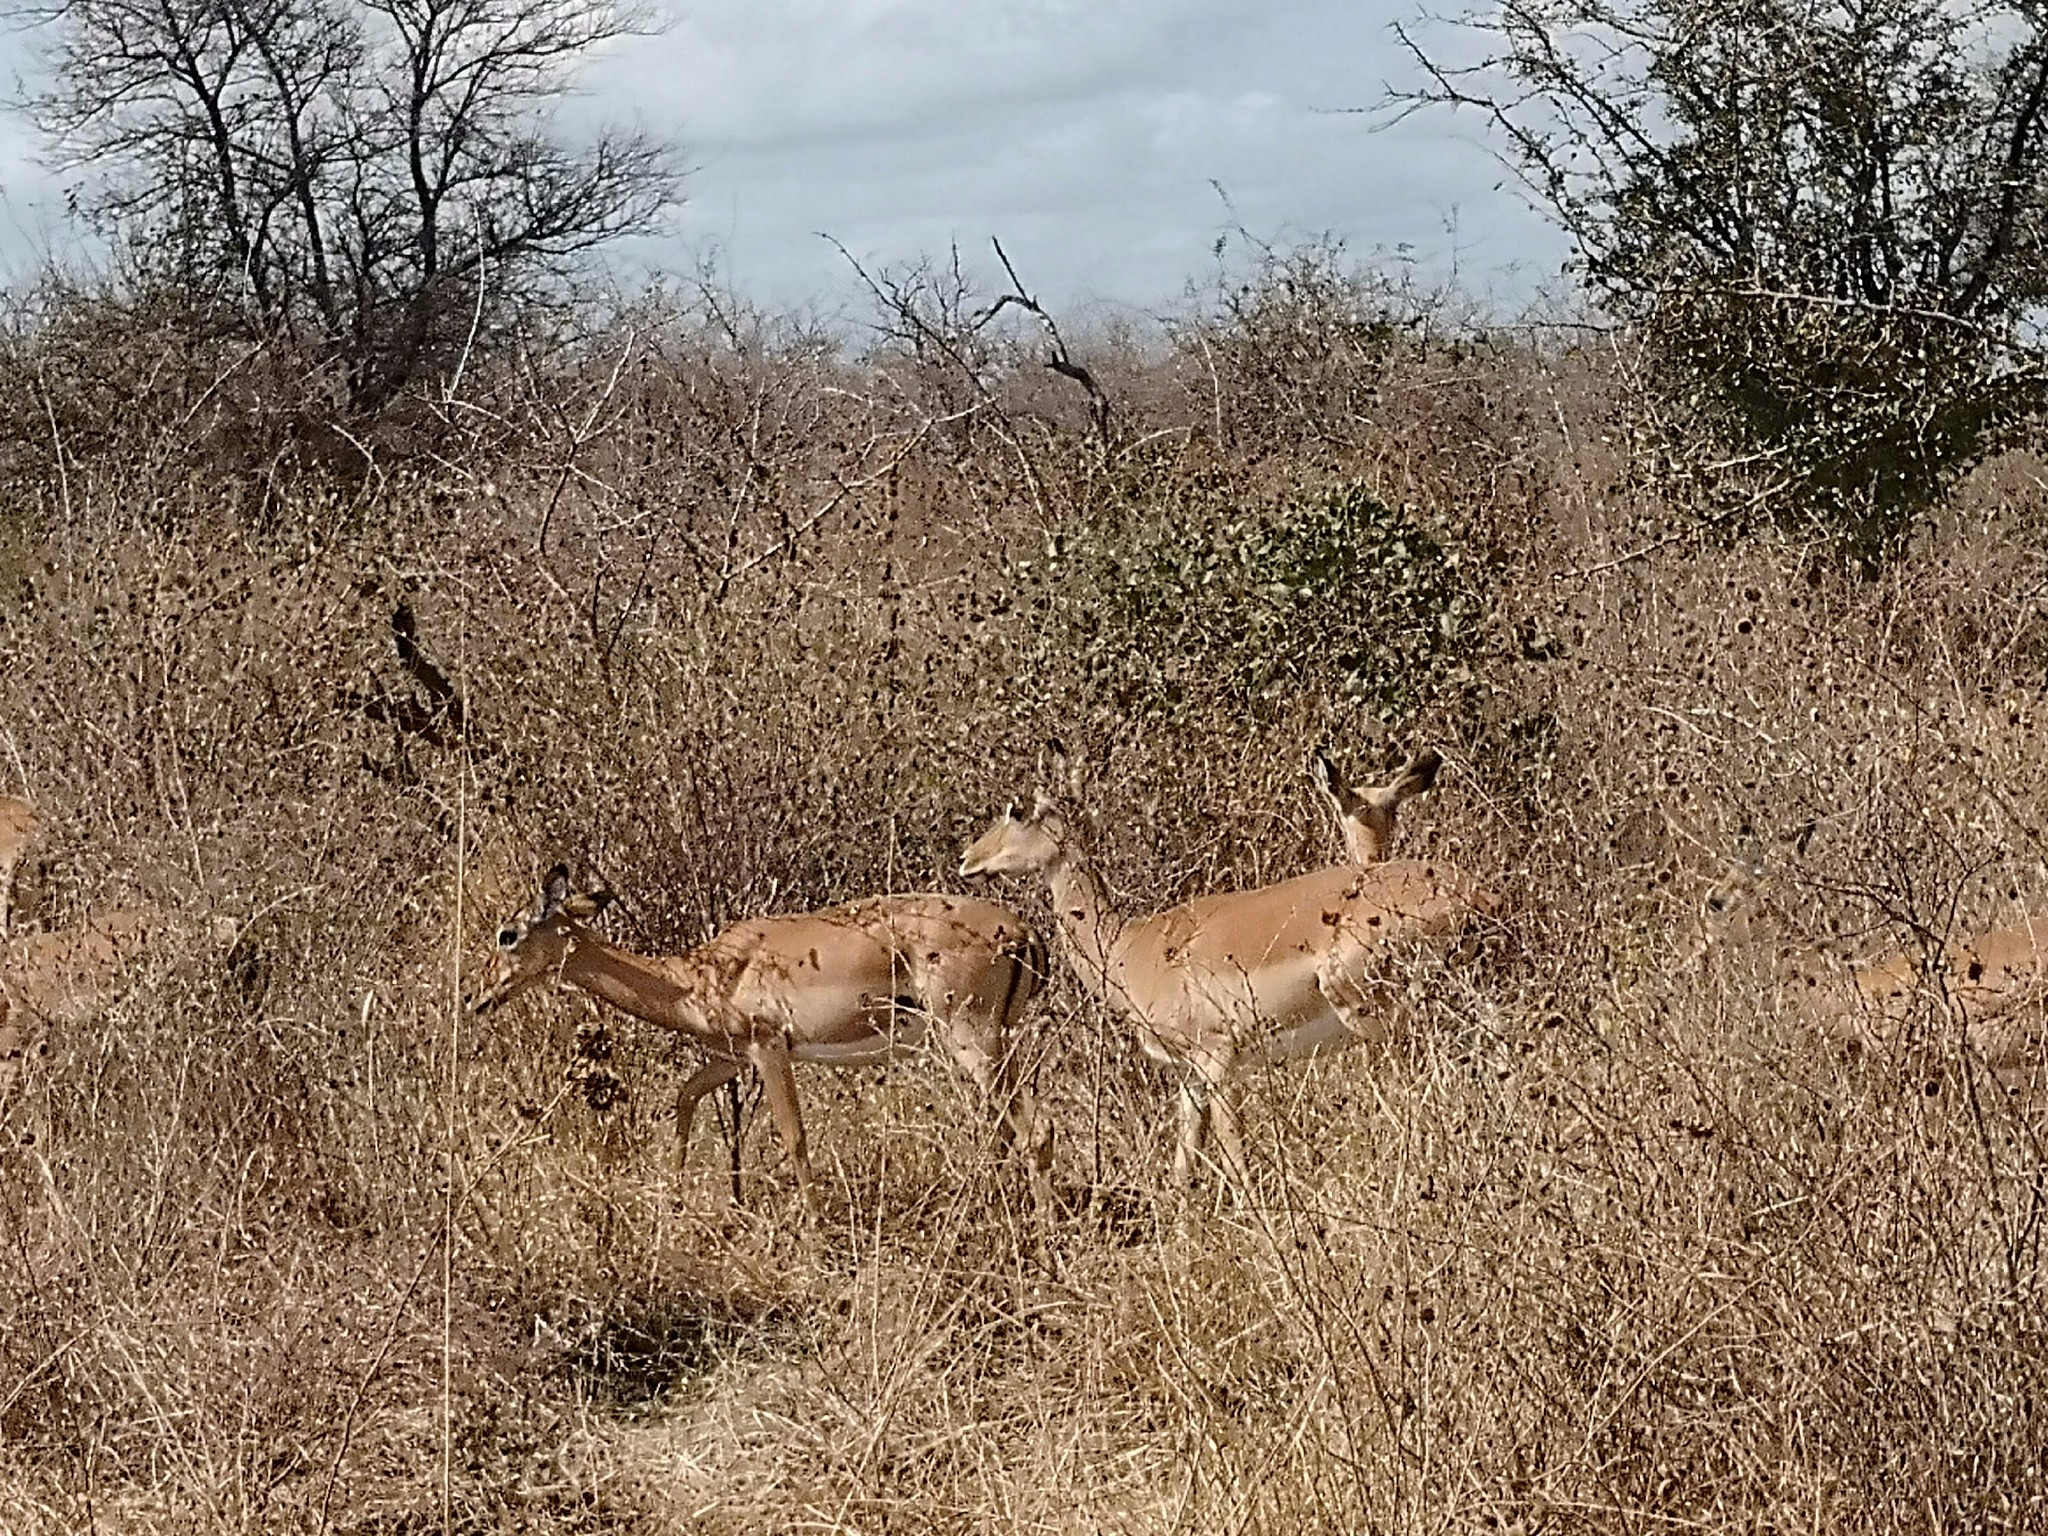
<point>1018,842</point>
<point>1366,816</point>
<point>1727,916</point>
<point>530,948</point>
<point>1743,915</point>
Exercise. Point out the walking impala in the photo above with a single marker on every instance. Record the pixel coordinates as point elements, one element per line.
<point>847,986</point>
<point>1222,984</point>
<point>1992,987</point>
<point>1989,988</point>
<point>1365,817</point>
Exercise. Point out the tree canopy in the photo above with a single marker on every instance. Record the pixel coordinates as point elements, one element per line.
<point>1826,222</point>
<point>382,178</point>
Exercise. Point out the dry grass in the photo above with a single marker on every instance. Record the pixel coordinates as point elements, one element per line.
<point>1613,1246</point>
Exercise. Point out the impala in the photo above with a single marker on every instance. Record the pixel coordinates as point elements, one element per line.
<point>1223,984</point>
<point>61,977</point>
<point>847,986</point>
<point>18,823</point>
<point>1365,817</point>
<point>1991,985</point>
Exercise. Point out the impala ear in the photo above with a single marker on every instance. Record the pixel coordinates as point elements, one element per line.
<point>1066,771</point>
<point>586,908</point>
<point>1419,776</point>
<point>1324,772</point>
<point>554,890</point>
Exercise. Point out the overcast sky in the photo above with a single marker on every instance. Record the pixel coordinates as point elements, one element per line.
<point>1090,136</point>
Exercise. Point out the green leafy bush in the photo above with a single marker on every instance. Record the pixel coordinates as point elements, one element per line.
<point>1340,594</point>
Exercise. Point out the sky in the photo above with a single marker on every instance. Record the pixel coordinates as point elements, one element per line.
<point>1109,144</point>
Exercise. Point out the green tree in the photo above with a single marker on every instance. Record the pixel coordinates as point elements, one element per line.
<point>1825,222</point>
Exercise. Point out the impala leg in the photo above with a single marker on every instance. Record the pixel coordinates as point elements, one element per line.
<point>1194,1124</point>
<point>710,1076</point>
<point>1365,1003</point>
<point>778,1086</point>
<point>1031,1133</point>
<point>974,1058</point>
<point>981,1036</point>
<point>1016,1124</point>
<point>994,1071</point>
<point>1206,1106</point>
<point>16,1045</point>
<point>732,1093</point>
<point>1229,1141</point>
<point>1018,1127</point>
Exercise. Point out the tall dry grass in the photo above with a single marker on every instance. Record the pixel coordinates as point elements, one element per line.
<point>1612,1244</point>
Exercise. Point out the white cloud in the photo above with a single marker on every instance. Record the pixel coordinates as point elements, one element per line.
<point>1089,135</point>
<point>775,73</point>
<point>1092,136</point>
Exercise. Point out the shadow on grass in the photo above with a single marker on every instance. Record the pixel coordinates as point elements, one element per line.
<point>633,1354</point>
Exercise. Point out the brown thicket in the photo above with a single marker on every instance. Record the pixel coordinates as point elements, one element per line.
<point>740,617</point>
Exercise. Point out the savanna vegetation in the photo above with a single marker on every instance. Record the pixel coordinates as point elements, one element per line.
<point>738,614</point>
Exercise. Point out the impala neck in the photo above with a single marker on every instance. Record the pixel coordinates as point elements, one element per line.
<point>1089,927</point>
<point>632,983</point>
<point>1370,828</point>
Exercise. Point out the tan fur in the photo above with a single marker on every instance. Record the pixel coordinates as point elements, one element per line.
<point>61,977</point>
<point>1227,982</point>
<point>1991,986</point>
<point>847,985</point>
<point>1986,991</point>
<point>18,825</point>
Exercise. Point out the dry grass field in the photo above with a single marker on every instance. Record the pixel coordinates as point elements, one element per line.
<point>1612,1239</point>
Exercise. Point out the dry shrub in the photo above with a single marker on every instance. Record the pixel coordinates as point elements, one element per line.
<point>1611,1242</point>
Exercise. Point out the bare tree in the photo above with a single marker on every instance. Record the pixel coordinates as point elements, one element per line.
<point>1828,222</point>
<point>379,178</point>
